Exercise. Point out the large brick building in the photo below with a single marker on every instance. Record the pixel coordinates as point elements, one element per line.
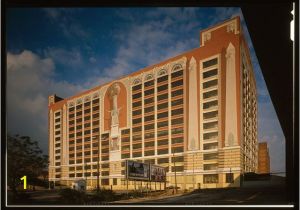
<point>197,109</point>
<point>263,158</point>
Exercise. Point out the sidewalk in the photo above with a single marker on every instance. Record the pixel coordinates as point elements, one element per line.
<point>150,197</point>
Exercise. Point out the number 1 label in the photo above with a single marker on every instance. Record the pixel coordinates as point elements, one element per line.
<point>25,182</point>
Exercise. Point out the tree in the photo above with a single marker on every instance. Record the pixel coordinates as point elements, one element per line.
<point>24,158</point>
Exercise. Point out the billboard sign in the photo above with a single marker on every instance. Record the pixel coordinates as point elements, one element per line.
<point>137,171</point>
<point>157,173</point>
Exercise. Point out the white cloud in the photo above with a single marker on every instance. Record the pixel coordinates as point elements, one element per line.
<point>72,57</point>
<point>29,83</point>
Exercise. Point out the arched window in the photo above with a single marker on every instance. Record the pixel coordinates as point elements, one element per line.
<point>176,67</point>
<point>162,72</point>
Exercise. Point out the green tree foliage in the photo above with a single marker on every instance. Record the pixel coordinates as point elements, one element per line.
<point>24,158</point>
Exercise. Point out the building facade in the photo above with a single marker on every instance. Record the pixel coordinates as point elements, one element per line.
<point>194,114</point>
<point>263,158</point>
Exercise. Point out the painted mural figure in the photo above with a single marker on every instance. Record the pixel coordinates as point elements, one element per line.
<point>114,92</point>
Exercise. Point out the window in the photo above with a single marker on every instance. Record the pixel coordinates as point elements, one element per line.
<point>149,118</point>
<point>210,94</point>
<point>177,102</point>
<point>86,118</point>
<point>137,146</point>
<point>148,92</point>
<point>210,178</point>
<point>124,156</point>
<point>210,156</point>
<point>209,115</point>
<point>177,111</point>
<point>136,121</point>
<point>105,165</point>
<point>162,97</point>
<point>210,125</point>
<point>162,160</point>
<point>229,178</point>
<point>162,106</point>
<point>149,83</point>
<point>177,130</point>
<point>124,148</point>
<point>210,73</point>
<point>149,109</point>
<point>161,79</point>
<point>177,149</point>
<point>137,129</point>
<point>178,168</point>
<point>138,95</point>
<point>71,109</point>
<point>177,74</point>
<point>161,115</point>
<point>57,120</point>
<point>136,137</point>
<point>177,83</point>
<point>78,127</point>
<point>137,87</point>
<point>87,111</point>
<point>95,115</point>
<point>79,113</point>
<point>177,121</point>
<point>162,124</point>
<point>95,101</point>
<point>210,83</point>
<point>162,87</point>
<point>87,103</point>
<point>149,144</point>
<point>177,159</point>
<point>95,108</point>
<point>126,131</point>
<point>104,181</point>
<point>127,139</point>
<point>136,104</point>
<point>210,63</point>
<point>115,181</point>
<point>163,142</point>
<point>149,100</point>
<point>210,104</point>
<point>213,166</point>
<point>177,93</point>
<point>162,133</point>
<point>149,153</point>
<point>210,136</point>
<point>162,151</point>
<point>177,140</point>
<point>149,135</point>
<point>79,106</point>
<point>149,127</point>
<point>137,154</point>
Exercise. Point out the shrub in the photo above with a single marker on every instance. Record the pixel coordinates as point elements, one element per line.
<point>70,196</point>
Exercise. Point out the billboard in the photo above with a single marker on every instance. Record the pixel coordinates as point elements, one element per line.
<point>137,171</point>
<point>157,173</point>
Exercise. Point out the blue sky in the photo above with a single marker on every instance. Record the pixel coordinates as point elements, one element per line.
<point>67,50</point>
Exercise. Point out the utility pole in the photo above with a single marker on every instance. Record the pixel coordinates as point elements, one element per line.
<point>175,172</point>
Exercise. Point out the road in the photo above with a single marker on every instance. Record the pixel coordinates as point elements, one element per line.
<point>253,192</point>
